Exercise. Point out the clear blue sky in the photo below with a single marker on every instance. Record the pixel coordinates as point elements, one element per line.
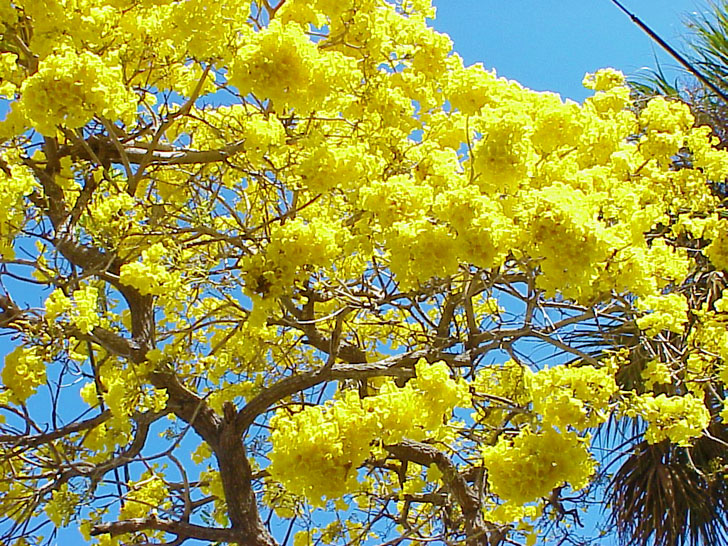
<point>548,45</point>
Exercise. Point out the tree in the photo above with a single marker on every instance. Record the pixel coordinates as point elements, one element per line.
<point>295,271</point>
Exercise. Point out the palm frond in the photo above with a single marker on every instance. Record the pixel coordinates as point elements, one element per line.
<point>653,82</point>
<point>668,495</point>
<point>710,42</point>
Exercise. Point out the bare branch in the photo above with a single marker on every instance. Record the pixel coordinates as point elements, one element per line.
<point>179,528</point>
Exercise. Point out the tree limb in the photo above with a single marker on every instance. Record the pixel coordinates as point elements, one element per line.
<point>427,455</point>
<point>179,528</point>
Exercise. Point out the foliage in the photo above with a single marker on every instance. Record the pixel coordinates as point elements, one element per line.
<point>295,271</point>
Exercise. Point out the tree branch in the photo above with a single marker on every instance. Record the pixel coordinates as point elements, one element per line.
<point>179,528</point>
<point>139,153</point>
<point>427,455</point>
<point>35,440</point>
<point>395,366</point>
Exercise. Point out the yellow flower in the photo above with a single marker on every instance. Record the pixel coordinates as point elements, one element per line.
<point>62,506</point>
<point>668,312</point>
<point>70,88</point>
<point>679,418</point>
<point>24,371</point>
<point>572,396</point>
<point>150,275</point>
<point>532,464</point>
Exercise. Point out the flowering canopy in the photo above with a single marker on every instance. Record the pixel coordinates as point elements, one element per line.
<point>266,260</point>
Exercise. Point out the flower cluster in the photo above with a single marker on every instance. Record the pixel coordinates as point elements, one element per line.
<point>150,275</point>
<point>16,182</point>
<point>70,88</point>
<point>281,63</point>
<point>317,450</point>
<point>530,465</point>
<point>668,312</point>
<point>23,372</point>
<point>568,396</point>
<point>680,419</point>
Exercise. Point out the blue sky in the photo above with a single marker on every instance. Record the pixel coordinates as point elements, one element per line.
<point>548,45</point>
